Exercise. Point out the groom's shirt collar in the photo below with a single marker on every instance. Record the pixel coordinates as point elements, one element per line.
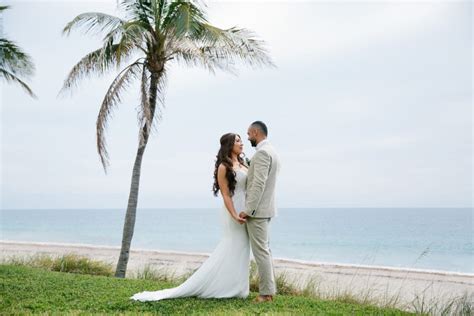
<point>263,142</point>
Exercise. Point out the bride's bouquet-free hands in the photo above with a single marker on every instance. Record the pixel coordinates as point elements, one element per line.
<point>239,219</point>
<point>243,216</point>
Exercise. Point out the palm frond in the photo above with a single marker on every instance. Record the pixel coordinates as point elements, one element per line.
<point>160,97</point>
<point>111,99</point>
<point>93,22</point>
<point>234,44</point>
<point>187,52</point>
<point>14,60</point>
<point>192,40</point>
<point>109,55</point>
<point>139,10</point>
<point>4,7</point>
<point>14,64</point>
<point>11,77</point>
<point>150,115</point>
<point>135,33</point>
<point>159,7</point>
<point>97,62</point>
<point>183,18</point>
<point>214,48</point>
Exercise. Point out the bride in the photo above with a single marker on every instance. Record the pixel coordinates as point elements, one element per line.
<point>226,272</point>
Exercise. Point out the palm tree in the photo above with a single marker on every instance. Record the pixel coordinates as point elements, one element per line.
<point>14,63</point>
<point>161,32</point>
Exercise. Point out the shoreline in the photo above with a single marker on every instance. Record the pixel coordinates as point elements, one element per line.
<point>404,286</point>
<point>278,259</point>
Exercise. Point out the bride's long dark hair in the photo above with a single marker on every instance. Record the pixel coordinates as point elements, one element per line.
<point>224,156</point>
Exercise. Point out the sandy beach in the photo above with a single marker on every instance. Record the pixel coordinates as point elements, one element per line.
<point>383,283</point>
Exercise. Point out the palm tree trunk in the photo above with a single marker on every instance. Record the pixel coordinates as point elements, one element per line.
<point>130,216</point>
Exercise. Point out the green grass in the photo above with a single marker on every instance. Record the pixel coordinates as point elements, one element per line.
<point>70,262</point>
<point>25,289</point>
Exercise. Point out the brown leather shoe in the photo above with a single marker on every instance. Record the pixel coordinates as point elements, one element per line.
<point>263,298</point>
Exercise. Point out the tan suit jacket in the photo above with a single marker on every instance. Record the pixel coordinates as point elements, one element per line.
<point>261,181</point>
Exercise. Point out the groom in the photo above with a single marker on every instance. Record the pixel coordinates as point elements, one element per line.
<point>260,206</point>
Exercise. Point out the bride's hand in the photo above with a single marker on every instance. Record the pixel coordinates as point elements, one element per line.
<point>239,220</point>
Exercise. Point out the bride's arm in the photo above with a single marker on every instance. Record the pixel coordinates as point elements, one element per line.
<point>224,188</point>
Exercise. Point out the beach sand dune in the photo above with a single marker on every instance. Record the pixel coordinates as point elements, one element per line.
<point>412,286</point>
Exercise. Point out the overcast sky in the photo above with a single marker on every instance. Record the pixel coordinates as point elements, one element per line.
<point>370,106</point>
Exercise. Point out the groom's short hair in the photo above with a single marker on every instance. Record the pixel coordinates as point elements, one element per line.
<point>261,126</point>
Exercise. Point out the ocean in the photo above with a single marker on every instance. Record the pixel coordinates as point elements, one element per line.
<point>421,238</point>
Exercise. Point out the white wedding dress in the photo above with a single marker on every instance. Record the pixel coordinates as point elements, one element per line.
<point>226,272</point>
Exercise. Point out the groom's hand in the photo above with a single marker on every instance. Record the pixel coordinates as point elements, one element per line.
<point>241,220</point>
<point>243,215</point>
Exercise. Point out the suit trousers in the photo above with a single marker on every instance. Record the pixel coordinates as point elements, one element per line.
<point>257,229</point>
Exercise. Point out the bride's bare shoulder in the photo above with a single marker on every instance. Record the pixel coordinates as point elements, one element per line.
<point>221,169</point>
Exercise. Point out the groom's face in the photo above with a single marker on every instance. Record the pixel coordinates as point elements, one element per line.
<point>252,134</point>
